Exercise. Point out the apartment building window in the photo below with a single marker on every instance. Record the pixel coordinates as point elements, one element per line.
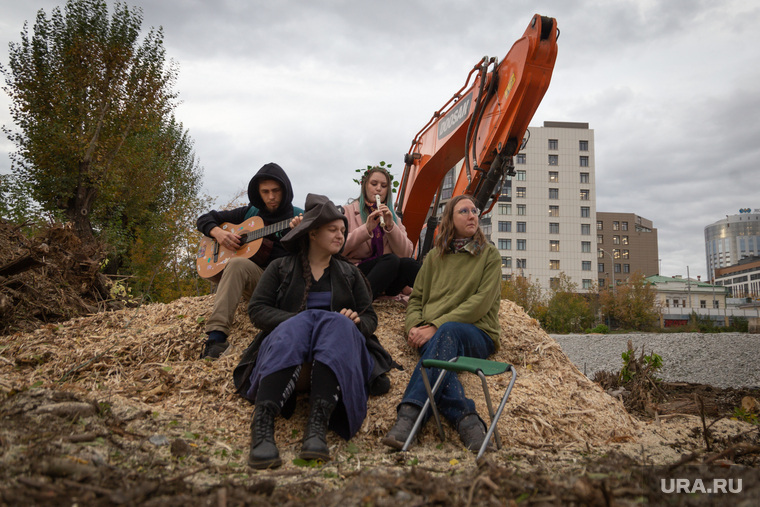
<point>626,268</point>
<point>585,229</point>
<point>448,180</point>
<point>585,193</point>
<point>584,163</point>
<point>616,240</point>
<point>625,254</point>
<point>585,178</point>
<point>505,209</point>
<point>505,226</point>
<point>615,226</point>
<point>553,176</point>
<point>600,254</point>
<point>521,176</point>
<point>585,212</point>
<point>625,240</point>
<point>625,226</point>
<point>553,211</point>
<point>599,239</point>
<point>585,246</point>
<point>553,159</point>
<point>521,226</point>
<point>520,158</point>
<point>554,264</point>
<point>702,303</point>
<point>600,267</point>
<point>553,227</point>
<point>586,283</point>
<point>506,262</point>
<point>521,209</point>
<point>616,253</point>
<point>505,244</point>
<point>554,245</point>
<point>522,263</point>
<point>599,225</point>
<point>553,144</point>
<point>586,265</point>
<point>716,304</point>
<point>617,268</point>
<point>553,193</point>
<point>521,244</point>
<point>520,192</point>
<point>582,145</point>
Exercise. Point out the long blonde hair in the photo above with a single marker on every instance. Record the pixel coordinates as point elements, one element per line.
<point>446,231</point>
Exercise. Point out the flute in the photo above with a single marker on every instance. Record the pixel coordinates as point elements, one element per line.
<point>382,219</point>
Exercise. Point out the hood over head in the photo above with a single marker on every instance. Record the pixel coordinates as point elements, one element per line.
<point>271,171</point>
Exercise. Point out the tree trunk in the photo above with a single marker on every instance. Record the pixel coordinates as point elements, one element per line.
<point>80,206</point>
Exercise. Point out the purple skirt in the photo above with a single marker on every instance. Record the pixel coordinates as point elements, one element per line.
<point>333,340</point>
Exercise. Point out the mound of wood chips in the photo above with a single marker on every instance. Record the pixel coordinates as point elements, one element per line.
<point>149,357</point>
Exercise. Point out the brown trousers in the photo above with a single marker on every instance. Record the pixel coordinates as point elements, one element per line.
<point>239,279</point>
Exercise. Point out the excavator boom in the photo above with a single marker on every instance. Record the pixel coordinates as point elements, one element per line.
<point>484,124</point>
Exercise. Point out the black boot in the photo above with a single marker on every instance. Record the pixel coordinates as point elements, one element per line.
<point>407,416</point>
<point>264,453</point>
<point>315,439</point>
<point>472,431</point>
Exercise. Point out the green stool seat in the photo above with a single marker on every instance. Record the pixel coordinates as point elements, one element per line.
<point>482,368</point>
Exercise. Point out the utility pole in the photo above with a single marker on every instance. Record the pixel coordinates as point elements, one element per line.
<point>688,285</point>
<point>612,268</point>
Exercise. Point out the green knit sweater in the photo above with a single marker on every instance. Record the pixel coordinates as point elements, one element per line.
<point>458,287</point>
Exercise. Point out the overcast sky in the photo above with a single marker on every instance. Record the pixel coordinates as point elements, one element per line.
<point>670,88</point>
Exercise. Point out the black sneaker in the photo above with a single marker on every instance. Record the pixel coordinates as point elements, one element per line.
<point>214,349</point>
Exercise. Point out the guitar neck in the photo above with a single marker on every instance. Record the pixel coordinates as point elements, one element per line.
<point>266,231</point>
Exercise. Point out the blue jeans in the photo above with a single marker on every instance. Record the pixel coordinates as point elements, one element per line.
<point>451,340</point>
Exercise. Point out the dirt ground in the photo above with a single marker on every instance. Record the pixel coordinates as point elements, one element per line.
<point>115,408</point>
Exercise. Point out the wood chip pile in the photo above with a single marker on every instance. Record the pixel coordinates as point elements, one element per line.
<point>148,356</point>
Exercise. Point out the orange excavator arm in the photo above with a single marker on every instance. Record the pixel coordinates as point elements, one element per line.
<point>484,124</point>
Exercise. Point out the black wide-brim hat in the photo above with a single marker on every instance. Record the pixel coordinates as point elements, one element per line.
<point>319,211</point>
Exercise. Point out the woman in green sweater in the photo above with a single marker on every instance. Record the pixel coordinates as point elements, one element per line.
<point>453,311</point>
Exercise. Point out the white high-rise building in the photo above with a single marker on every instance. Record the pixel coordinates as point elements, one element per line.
<point>544,222</point>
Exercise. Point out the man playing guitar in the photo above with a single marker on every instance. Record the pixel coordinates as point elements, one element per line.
<point>270,194</point>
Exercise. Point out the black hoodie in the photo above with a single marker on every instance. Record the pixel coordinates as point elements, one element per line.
<point>270,171</point>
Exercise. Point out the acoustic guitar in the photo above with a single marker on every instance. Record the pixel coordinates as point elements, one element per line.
<point>212,258</point>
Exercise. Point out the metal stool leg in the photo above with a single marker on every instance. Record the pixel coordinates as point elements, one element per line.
<point>491,414</point>
<point>431,397</point>
<point>492,428</point>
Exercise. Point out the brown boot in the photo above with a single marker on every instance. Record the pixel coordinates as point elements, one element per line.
<point>407,416</point>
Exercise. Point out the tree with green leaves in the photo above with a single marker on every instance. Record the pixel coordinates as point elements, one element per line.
<point>568,311</point>
<point>526,293</point>
<point>98,144</point>
<point>88,97</point>
<point>631,305</point>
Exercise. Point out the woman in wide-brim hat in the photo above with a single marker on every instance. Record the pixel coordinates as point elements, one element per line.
<point>314,310</point>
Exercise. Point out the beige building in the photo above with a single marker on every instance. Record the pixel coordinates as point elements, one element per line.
<point>679,292</point>
<point>544,220</point>
<point>626,243</point>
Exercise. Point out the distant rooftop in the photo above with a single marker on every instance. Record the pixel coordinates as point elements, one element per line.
<point>566,124</point>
